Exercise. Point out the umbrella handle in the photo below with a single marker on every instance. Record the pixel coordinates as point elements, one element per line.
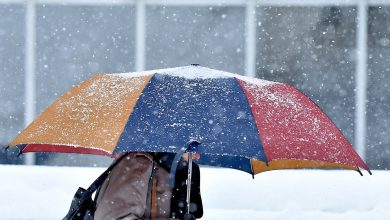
<point>189,181</point>
<point>179,154</point>
<point>172,172</point>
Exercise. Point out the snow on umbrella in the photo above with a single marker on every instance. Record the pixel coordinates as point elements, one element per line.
<point>240,122</point>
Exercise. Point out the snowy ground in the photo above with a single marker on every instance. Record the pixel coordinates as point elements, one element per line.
<point>39,192</point>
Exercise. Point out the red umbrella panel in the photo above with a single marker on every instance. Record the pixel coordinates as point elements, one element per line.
<point>240,122</point>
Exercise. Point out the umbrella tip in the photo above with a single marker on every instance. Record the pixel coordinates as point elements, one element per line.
<point>360,172</point>
<point>19,153</point>
<point>4,149</point>
<point>12,151</point>
<point>366,168</point>
<point>20,149</point>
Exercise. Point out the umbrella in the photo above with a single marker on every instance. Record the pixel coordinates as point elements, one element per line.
<point>239,122</point>
<point>233,121</point>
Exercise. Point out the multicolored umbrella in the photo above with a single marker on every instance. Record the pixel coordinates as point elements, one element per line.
<point>240,122</point>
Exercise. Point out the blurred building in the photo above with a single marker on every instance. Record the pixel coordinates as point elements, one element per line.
<point>46,47</point>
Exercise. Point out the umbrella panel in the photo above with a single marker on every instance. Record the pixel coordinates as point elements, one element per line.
<point>173,110</point>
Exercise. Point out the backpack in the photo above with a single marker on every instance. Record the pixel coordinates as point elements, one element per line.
<point>83,206</point>
<point>136,188</point>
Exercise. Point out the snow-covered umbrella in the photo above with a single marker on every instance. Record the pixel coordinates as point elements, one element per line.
<point>239,122</point>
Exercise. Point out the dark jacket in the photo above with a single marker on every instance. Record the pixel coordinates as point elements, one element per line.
<point>178,200</point>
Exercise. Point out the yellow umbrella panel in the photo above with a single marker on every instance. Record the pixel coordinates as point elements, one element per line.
<point>87,119</point>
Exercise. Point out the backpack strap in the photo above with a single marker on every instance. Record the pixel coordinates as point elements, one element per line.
<point>87,194</point>
<point>152,192</point>
<point>99,181</point>
<point>153,213</point>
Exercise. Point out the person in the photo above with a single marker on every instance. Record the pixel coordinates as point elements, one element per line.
<point>126,191</point>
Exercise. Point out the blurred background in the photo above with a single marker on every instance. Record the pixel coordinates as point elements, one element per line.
<point>335,51</point>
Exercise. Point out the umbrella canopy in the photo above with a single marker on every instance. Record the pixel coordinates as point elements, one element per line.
<point>240,122</point>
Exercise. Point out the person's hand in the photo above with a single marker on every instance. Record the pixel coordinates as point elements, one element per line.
<point>195,156</point>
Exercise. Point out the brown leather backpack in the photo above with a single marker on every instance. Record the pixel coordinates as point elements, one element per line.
<point>136,188</point>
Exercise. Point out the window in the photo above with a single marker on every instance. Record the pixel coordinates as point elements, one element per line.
<point>209,36</point>
<point>378,108</point>
<point>313,49</point>
<point>76,42</point>
<point>11,74</point>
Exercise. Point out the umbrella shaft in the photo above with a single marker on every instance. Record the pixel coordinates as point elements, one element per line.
<point>189,181</point>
